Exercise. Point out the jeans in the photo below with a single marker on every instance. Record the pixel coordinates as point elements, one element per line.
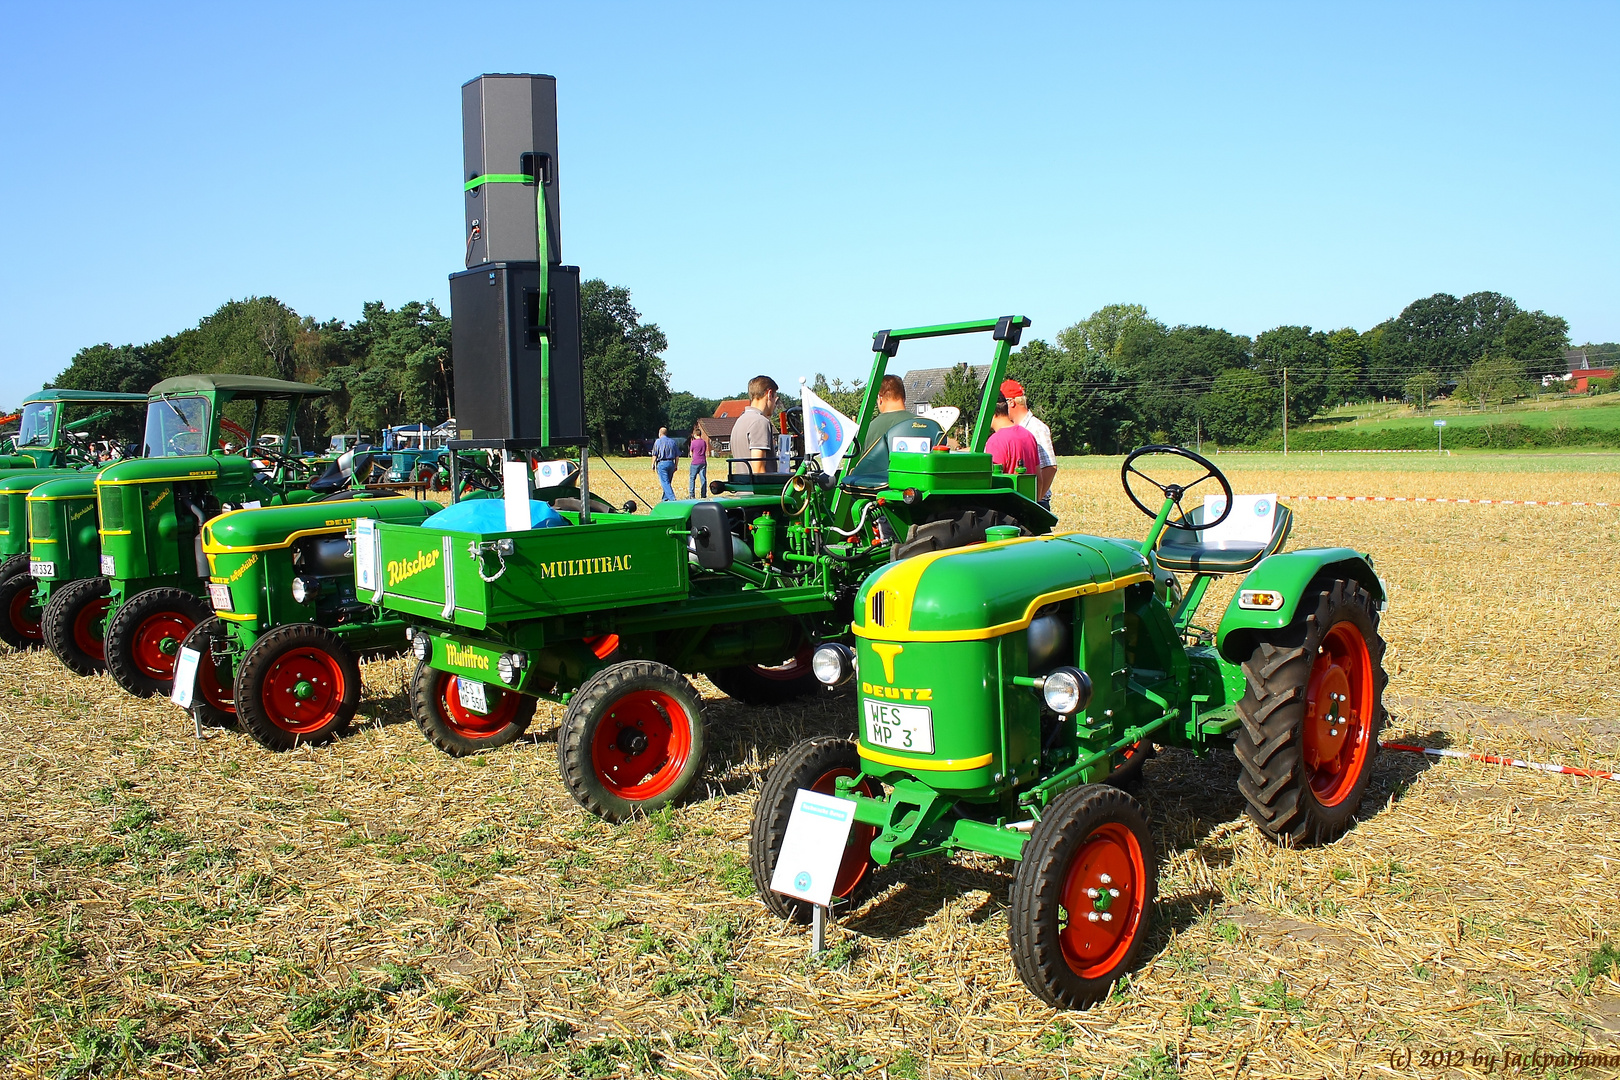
<point>666,473</point>
<point>697,481</point>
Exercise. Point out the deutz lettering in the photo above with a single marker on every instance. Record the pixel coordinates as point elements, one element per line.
<point>897,693</point>
<point>401,569</point>
<point>462,656</point>
<point>340,521</point>
<point>607,564</point>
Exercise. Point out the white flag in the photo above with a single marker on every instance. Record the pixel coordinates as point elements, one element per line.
<point>827,432</point>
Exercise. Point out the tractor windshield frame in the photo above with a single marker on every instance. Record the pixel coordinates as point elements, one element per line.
<point>170,417</point>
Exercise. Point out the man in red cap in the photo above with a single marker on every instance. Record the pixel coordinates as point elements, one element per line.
<point>1018,409</point>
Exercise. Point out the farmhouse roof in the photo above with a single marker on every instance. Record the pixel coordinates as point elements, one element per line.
<point>923,385</point>
<point>732,408</point>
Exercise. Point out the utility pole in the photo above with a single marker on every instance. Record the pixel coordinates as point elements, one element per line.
<point>1285,410</point>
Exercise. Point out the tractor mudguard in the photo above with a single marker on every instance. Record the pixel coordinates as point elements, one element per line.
<point>1288,575</point>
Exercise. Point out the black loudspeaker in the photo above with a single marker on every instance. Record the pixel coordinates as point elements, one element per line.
<point>495,330</point>
<point>508,129</point>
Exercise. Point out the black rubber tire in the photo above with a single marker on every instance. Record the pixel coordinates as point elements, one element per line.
<point>17,598</point>
<point>1128,773</point>
<point>807,765</point>
<point>122,662</point>
<point>748,683</point>
<point>428,695</point>
<point>202,638</point>
<point>62,612</point>
<point>1035,913</point>
<point>14,565</point>
<point>951,529</point>
<point>594,704</point>
<point>260,693</point>
<point>1270,741</point>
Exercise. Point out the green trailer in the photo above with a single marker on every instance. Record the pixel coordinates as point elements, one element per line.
<point>607,613</point>
<point>1001,689</point>
<point>72,428</point>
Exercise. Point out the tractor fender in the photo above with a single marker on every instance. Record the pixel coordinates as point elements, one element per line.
<point>1289,574</point>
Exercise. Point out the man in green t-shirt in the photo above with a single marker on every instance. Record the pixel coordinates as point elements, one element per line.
<point>893,428</point>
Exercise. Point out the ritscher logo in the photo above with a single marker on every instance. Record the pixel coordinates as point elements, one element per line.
<point>402,569</point>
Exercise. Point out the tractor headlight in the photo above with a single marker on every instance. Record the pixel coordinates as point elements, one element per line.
<point>510,668</point>
<point>302,590</point>
<point>833,663</point>
<point>421,646</point>
<point>1066,690</point>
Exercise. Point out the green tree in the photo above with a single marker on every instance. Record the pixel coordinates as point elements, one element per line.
<point>686,409</point>
<point>846,399</point>
<point>962,391</point>
<point>1241,407</point>
<point>1170,369</point>
<point>1537,340</point>
<point>1420,388</point>
<point>128,369</point>
<point>1347,368</point>
<point>1304,352</point>
<point>1100,332</point>
<point>1082,397</point>
<point>1493,380</point>
<point>626,382</point>
<point>391,367</point>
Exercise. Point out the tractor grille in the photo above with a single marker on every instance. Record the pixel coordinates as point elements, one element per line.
<point>877,607</point>
<point>112,507</point>
<point>39,519</point>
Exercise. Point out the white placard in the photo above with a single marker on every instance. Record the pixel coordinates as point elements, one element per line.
<point>548,474</point>
<point>813,848</point>
<point>365,555</point>
<point>107,567</point>
<point>472,696</point>
<point>516,495</point>
<point>185,677</point>
<point>911,444</point>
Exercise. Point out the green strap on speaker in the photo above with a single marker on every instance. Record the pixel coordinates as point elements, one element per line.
<point>497,178</point>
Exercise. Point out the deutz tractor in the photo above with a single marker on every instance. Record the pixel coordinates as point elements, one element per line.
<point>63,546</point>
<point>604,612</point>
<point>71,428</point>
<point>281,653</point>
<point>999,686</point>
<point>196,463</point>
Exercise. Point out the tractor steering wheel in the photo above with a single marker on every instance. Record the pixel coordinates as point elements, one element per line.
<point>1175,492</point>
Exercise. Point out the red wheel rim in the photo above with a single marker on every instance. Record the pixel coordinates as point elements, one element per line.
<point>89,627</point>
<point>1338,714</point>
<point>858,852</point>
<point>503,707</point>
<point>208,684</point>
<point>303,690</point>
<point>156,643</point>
<point>788,671</point>
<point>642,745</point>
<point>26,625</point>
<point>1095,926</point>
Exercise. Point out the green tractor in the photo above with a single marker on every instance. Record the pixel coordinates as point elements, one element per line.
<point>63,546</point>
<point>197,463</point>
<point>606,613</point>
<point>1001,688</point>
<point>281,653</point>
<point>66,429</point>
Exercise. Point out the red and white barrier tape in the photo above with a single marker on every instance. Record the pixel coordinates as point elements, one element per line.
<point>1422,499</point>
<point>1492,759</point>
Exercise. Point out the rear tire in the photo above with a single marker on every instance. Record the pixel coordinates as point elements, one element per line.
<point>144,638</point>
<point>213,697</point>
<point>1070,942</point>
<point>20,615</point>
<point>631,740</point>
<point>16,564</point>
<point>942,533</point>
<point>814,764</point>
<point>299,684</point>
<point>75,625</point>
<point>761,684</point>
<point>436,705</point>
<point>1133,759</point>
<point>1311,716</point>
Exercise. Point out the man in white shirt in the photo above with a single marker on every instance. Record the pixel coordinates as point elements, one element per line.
<point>1018,409</point>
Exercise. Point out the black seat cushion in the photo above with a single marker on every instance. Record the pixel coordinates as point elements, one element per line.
<point>1215,557</point>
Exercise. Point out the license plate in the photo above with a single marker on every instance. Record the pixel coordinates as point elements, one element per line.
<point>472,695</point>
<point>900,727</point>
<point>219,595</point>
<point>107,569</point>
<point>41,569</point>
<point>185,677</point>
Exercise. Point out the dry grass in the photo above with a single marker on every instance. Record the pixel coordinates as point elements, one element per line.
<point>374,908</point>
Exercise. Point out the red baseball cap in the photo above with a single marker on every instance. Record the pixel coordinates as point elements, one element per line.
<point>1012,388</point>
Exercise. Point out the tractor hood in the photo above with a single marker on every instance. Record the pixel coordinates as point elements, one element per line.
<point>989,589</point>
<point>160,470</point>
<point>82,486</point>
<point>28,479</point>
<point>267,527</point>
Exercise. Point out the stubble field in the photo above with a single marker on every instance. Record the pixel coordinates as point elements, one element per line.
<point>170,906</point>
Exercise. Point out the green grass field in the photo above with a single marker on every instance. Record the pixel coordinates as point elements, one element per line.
<point>1597,412</point>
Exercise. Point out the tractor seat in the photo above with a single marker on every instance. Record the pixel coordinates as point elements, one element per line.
<point>1257,526</point>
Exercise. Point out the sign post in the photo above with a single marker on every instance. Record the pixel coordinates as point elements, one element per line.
<point>1440,432</point>
<point>812,851</point>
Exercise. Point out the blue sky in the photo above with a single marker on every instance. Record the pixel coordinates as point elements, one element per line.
<point>775,182</point>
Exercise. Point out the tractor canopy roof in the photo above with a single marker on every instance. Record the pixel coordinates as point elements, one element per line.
<point>105,397</point>
<point>239,385</point>
<point>988,590</point>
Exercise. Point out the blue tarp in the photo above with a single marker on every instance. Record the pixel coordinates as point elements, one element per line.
<point>489,516</point>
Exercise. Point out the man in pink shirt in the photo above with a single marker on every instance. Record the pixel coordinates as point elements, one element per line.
<point>1011,446</point>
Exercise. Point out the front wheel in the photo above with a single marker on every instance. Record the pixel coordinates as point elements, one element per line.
<point>815,765</point>
<point>631,740</point>
<point>213,696</point>
<point>20,613</point>
<point>143,639</point>
<point>1083,896</point>
<point>75,625</point>
<point>452,726</point>
<point>298,684</point>
<point>1311,715</point>
<point>16,564</point>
